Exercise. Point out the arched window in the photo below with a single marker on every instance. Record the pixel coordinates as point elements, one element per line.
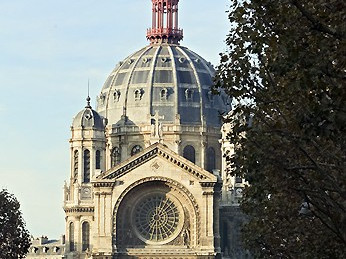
<point>86,178</point>
<point>71,236</point>
<point>75,164</point>
<point>210,159</point>
<point>98,159</point>
<point>189,94</point>
<point>116,95</point>
<point>85,236</point>
<point>136,149</point>
<point>115,156</point>
<point>138,94</point>
<point>163,94</point>
<point>189,153</point>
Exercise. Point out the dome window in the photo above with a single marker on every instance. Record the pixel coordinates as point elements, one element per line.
<point>130,61</point>
<point>136,149</point>
<point>210,97</point>
<point>164,59</point>
<point>197,60</point>
<point>102,98</point>
<point>138,94</point>
<point>145,60</point>
<point>88,116</point>
<point>189,94</point>
<point>163,94</point>
<point>116,95</point>
<point>182,60</point>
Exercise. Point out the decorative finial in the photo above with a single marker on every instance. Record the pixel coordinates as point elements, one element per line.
<point>164,27</point>
<point>88,98</point>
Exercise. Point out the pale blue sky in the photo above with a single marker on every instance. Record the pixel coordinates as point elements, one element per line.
<point>48,50</point>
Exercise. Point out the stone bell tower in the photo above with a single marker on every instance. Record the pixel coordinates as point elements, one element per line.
<point>87,161</point>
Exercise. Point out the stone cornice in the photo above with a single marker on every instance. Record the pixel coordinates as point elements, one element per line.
<point>153,151</point>
<point>208,184</point>
<point>133,164</point>
<point>103,184</point>
<point>79,209</point>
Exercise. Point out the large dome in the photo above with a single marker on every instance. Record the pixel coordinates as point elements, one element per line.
<point>167,78</point>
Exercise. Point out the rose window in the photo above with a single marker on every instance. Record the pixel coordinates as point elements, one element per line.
<point>156,218</point>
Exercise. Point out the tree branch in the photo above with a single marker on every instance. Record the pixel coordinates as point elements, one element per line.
<point>316,24</point>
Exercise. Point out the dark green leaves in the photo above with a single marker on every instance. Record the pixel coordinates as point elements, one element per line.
<point>14,238</point>
<point>286,70</point>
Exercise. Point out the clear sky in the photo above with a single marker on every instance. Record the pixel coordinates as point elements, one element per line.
<point>48,50</point>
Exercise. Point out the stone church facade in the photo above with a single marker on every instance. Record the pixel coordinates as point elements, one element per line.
<point>147,176</point>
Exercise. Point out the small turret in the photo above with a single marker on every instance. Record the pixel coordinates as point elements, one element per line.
<point>88,152</point>
<point>88,118</point>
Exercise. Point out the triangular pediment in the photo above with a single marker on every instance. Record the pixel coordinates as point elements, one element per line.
<point>148,154</point>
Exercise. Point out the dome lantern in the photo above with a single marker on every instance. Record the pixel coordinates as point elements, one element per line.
<point>164,22</point>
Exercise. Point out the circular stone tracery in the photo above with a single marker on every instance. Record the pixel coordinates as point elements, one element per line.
<point>156,218</point>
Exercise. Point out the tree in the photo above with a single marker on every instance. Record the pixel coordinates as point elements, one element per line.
<point>285,69</point>
<point>14,238</point>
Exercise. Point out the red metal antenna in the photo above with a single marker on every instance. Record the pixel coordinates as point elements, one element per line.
<point>165,23</point>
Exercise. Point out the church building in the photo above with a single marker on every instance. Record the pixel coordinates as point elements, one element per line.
<point>147,176</point>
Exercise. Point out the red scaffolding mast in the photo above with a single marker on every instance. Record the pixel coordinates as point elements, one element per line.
<point>165,23</point>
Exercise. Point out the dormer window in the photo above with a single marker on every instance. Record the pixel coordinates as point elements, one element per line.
<point>88,116</point>
<point>116,95</point>
<point>189,94</point>
<point>102,98</point>
<point>210,97</point>
<point>163,94</point>
<point>138,94</point>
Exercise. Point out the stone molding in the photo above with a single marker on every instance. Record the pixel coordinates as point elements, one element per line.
<point>79,209</point>
<point>154,151</point>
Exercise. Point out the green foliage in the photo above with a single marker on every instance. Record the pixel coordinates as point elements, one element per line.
<point>285,69</point>
<point>14,238</point>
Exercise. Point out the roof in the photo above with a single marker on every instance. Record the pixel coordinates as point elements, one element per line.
<point>88,118</point>
<point>167,78</point>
